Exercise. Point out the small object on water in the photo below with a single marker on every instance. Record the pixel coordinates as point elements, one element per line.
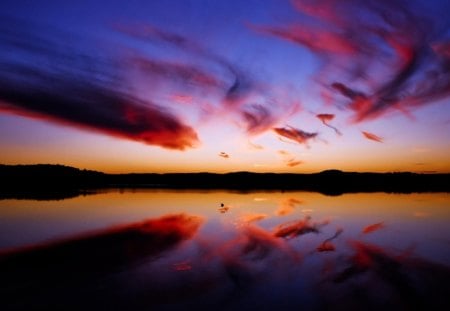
<point>223,209</point>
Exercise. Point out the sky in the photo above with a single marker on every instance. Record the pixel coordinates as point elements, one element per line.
<point>295,86</point>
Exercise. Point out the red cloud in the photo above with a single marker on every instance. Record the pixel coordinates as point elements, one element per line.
<point>372,228</point>
<point>258,119</point>
<point>73,93</point>
<point>289,159</point>
<point>326,118</point>
<point>112,116</point>
<point>294,134</point>
<point>386,55</point>
<point>372,137</point>
<point>293,162</point>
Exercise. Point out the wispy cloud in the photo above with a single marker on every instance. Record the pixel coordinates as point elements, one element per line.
<point>109,86</point>
<point>326,118</point>
<point>373,228</point>
<point>75,88</point>
<point>254,146</point>
<point>293,162</point>
<point>382,55</point>
<point>295,134</point>
<point>224,155</point>
<point>372,137</point>
<point>254,104</point>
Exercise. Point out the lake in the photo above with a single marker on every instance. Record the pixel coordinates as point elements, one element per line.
<point>167,250</point>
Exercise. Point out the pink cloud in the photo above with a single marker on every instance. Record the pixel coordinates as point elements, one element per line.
<point>372,137</point>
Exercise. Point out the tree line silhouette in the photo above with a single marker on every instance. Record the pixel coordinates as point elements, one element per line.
<point>59,181</point>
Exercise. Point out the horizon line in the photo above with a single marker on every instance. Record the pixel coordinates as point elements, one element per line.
<point>231,172</point>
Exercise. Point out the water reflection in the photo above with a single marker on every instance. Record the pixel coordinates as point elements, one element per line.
<point>182,250</point>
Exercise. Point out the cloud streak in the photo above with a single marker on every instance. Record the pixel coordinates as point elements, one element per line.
<point>112,115</point>
<point>395,52</point>
<point>79,90</point>
<point>254,104</point>
<point>129,92</point>
<point>373,228</point>
<point>295,134</point>
<point>224,155</point>
<point>372,137</point>
<point>326,118</point>
<point>293,162</point>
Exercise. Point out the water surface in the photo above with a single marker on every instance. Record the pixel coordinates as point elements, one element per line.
<point>168,250</point>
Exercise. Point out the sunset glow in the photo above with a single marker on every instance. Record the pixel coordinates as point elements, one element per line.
<point>188,86</point>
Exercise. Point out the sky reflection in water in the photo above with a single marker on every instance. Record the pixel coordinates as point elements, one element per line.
<point>169,250</point>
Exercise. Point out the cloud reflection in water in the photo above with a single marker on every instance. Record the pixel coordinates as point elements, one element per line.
<point>169,263</point>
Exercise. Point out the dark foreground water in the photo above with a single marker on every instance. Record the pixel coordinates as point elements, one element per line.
<point>185,250</point>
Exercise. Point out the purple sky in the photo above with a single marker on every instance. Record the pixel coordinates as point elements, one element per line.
<point>295,86</point>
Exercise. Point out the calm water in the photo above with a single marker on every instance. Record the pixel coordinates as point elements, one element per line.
<point>227,250</point>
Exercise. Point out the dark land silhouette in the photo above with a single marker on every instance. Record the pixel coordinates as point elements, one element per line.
<point>44,181</point>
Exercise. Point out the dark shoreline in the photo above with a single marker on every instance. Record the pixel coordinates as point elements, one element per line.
<point>58,182</point>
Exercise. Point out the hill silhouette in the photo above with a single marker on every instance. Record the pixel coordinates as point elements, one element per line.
<point>45,180</point>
